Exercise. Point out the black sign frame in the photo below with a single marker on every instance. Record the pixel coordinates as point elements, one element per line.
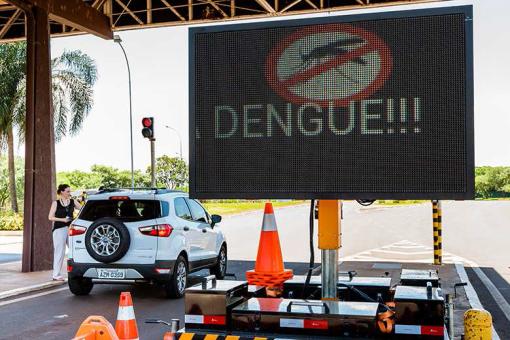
<point>467,10</point>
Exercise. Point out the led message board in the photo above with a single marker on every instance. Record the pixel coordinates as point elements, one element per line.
<point>373,105</point>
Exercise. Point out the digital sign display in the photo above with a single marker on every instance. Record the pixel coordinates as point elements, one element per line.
<point>365,106</point>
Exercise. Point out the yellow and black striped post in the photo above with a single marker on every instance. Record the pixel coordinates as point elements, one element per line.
<point>438,238</point>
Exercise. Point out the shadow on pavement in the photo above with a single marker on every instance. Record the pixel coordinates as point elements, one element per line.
<point>239,268</point>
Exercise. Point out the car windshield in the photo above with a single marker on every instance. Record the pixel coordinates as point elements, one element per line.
<point>123,210</point>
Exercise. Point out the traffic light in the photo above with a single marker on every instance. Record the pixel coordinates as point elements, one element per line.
<point>148,127</point>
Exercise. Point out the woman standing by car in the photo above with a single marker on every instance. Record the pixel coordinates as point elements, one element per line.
<point>61,214</point>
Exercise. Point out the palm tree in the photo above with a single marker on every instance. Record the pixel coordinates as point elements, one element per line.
<point>12,74</point>
<point>73,76</point>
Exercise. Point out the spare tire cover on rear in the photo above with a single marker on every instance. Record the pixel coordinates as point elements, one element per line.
<point>107,240</point>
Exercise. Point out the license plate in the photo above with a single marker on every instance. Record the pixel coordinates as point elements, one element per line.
<point>111,273</point>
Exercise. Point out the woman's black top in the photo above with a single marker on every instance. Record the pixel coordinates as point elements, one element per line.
<point>63,212</point>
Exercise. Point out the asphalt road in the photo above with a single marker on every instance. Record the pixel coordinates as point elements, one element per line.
<point>10,248</point>
<point>58,314</point>
<point>476,233</point>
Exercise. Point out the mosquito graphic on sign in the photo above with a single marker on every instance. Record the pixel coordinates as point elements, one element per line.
<point>335,63</point>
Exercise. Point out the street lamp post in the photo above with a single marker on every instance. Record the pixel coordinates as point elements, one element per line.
<point>180,139</point>
<point>118,40</point>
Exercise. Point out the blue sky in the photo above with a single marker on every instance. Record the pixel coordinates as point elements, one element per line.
<point>159,66</point>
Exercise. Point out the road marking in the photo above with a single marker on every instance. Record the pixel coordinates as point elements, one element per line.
<point>493,290</point>
<point>407,247</point>
<point>398,250</point>
<point>5,303</point>
<point>474,301</point>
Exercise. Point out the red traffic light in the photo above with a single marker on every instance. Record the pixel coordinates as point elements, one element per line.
<point>147,122</point>
<point>148,127</point>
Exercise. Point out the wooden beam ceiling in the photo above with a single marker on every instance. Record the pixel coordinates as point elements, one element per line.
<point>74,13</point>
<point>100,16</point>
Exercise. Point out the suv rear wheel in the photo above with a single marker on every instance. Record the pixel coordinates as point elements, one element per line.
<point>220,268</point>
<point>80,285</point>
<point>177,285</point>
<point>107,240</point>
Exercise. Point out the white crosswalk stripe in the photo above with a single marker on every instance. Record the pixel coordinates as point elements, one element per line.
<point>405,251</point>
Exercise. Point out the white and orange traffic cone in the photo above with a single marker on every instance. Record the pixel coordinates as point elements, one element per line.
<point>125,327</point>
<point>269,270</point>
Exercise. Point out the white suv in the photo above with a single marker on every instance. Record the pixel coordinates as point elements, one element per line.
<point>156,236</point>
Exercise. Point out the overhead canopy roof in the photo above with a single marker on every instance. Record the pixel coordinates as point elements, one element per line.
<point>134,14</point>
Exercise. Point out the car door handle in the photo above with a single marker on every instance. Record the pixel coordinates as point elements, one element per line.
<point>204,230</point>
<point>186,228</point>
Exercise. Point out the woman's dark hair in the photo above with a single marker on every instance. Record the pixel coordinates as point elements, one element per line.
<point>61,188</point>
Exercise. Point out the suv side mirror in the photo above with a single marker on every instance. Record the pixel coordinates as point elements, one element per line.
<point>215,220</point>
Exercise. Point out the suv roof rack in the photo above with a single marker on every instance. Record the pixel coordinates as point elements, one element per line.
<point>157,191</point>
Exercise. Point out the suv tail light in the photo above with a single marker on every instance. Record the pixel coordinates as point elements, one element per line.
<point>75,230</point>
<point>160,230</point>
<point>119,198</point>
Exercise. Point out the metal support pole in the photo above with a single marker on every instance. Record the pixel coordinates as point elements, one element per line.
<point>153,162</point>
<point>179,136</point>
<point>118,40</point>
<point>437,228</point>
<point>449,305</point>
<point>329,243</point>
<point>329,273</point>
<point>174,327</point>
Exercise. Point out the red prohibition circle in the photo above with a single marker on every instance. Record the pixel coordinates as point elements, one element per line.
<point>373,42</point>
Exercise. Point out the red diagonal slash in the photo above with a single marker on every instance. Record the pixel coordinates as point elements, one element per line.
<point>337,61</point>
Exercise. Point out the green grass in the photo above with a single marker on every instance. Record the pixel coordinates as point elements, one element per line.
<point>391,203</point>
<point>234,207</point>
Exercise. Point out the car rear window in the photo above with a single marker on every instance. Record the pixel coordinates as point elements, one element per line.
<point>123,210</point>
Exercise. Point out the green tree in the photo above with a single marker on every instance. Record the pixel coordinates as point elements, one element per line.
<point>492,181</point>
<point>171,172</point>
<point>79,179</point>
<point>483,186</point>
<point>73,76</point>
<point>110,177</point>
<point>4,180</point>
<point>12,74</point>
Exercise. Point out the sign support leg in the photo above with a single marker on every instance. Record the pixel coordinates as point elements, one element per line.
<point>437,227</point>
<point>329,243</point>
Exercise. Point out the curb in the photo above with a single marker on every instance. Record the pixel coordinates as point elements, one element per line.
<point>11,232</point>
<point>30,289</point>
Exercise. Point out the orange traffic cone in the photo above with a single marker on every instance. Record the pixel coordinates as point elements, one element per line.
<point>269,270</point>
<point>96,328</point>
<point>126,322</point>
